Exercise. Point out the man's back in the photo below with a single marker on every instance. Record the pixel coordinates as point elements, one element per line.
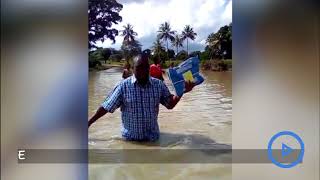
<point>139,107</point>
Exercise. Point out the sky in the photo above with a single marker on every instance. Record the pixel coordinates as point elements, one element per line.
<point>205,16</point>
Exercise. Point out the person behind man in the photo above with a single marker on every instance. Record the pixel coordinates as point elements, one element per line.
<point>156,70</point>
<point>139,97</point>
<point>126,71</point>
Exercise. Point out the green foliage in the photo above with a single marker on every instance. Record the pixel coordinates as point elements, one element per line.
<point>182,55</point>
<point>101,16</point>
<point>165,33</point>
<point>217,65</point>
<point>105,53</point>
<point>194,53</point>
<point>167,64</point>
<point>218,49</point>
<point>188,33</point>
<point>177,42</point>
<point>128,33</point>
<point>130,47</point>
<point>228,62</point>
<point>204,56</point>
<point>94,58</point>
<point>162,56</point>
<point>220,43</point>
<point>171,53</point>
<point>116,57</point>
<point>96,55</point>
<point>158,50</point>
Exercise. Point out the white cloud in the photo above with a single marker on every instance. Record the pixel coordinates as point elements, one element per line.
<point>205,16</point>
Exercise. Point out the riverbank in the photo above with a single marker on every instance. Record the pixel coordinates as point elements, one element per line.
<point>217,65</point>
<point>211,65</point>
<point>105,66</point>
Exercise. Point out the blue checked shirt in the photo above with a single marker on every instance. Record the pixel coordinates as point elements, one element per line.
<point>139,107</point>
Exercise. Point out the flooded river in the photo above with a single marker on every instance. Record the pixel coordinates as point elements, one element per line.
<point>202,119</point>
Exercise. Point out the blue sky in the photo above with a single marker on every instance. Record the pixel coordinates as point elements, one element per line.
<point>205,16</point>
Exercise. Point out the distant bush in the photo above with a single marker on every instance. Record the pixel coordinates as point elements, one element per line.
<point>204,56</point>
<point>182,55</point>
<point>228,62</point>
<point>94,63</point>
<point>217,65</point>
<point>167,64</point>
<point>162,56</point>
<point>170,54</point>
<point>94,59</point>
<point>195,53</point>
<point>116,57</point>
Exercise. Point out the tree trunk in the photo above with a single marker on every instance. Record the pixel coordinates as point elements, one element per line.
<point>176,55</point>
<point>187,48</point>
<point>168,52</point>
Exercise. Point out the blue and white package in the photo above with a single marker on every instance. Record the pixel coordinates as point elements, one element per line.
<point>186,71</point>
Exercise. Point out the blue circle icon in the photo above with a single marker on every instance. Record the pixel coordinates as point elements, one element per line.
<point>300,156</point>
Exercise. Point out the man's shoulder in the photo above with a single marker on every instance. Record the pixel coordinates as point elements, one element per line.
<point>125,82</point>
<point>156,81</point>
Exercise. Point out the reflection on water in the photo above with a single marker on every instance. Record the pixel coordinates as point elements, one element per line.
<point>202,119</point>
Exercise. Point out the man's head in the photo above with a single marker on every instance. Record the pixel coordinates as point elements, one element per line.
<point>141,69</point>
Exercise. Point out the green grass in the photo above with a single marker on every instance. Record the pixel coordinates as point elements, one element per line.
<point>116,63</point>
<point>214,65</point>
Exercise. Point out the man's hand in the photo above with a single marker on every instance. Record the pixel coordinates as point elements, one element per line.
<point>175,99</point>
<point>188,86</point>
<point>100,112</point>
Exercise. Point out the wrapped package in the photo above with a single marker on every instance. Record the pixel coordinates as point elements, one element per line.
<point>186,71</point>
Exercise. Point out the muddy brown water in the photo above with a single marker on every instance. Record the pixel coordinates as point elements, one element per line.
<point>202,119</point>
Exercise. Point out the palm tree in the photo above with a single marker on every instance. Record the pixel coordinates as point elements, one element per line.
<point>177,42</point>
<point>188,33</point>
<point>128,33</point>
<point>130,46</point>
<point>157,48</point>
<point>165,33</point>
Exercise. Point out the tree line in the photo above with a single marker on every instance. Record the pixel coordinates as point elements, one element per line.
<point>103,14</point>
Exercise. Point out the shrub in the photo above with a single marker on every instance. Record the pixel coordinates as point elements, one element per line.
<point>217,65</point>
<point>94,63</point>
<point>116,57</point>
<point>182,55</point>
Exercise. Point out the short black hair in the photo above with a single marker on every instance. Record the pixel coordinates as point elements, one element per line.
<point>140,57</point>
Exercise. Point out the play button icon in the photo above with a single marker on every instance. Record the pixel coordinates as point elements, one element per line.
<point>289,157</point>
<point>286,150</point>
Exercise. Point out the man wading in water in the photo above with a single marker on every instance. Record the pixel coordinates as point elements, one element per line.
<point>139,97</point>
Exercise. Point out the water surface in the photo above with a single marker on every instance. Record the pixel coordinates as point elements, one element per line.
<point>202,119</point>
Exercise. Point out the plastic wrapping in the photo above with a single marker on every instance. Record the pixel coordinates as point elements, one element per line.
<point>186,71</point>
